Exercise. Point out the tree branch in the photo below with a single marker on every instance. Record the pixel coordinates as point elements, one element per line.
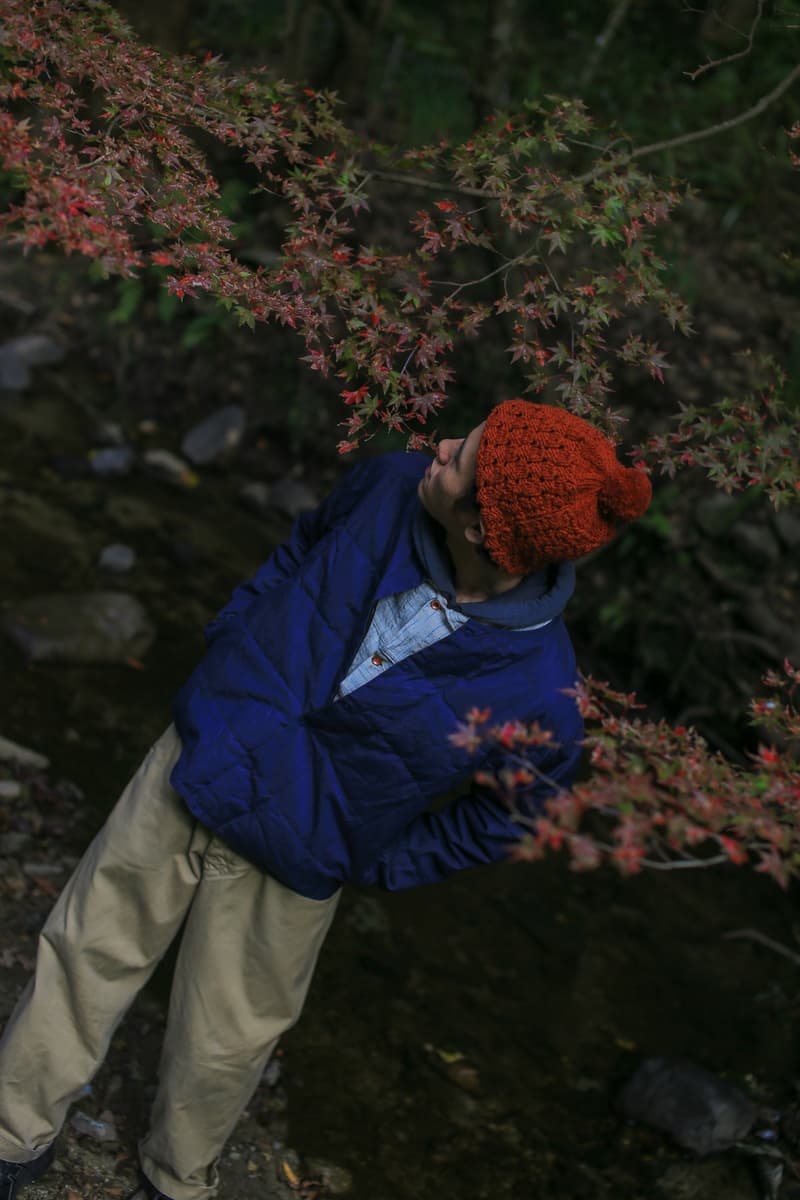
<point>718,62</point>
<point>755,936</point>
<point>601,42</point>
<point>759,107</point>
<point>683,139</point>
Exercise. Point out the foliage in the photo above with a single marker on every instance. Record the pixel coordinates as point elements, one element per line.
<point>102,145</point>
<point>540,227</point>
<point>662,799</point>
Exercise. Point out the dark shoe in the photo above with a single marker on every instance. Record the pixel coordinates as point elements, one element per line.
<point>145,1191</point>
<point>15,1176</point>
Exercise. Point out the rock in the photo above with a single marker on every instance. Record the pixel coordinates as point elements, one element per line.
<point>337,1181</point>
<point>255,496</point>
<point>108,434</point>
<point>44,870</point>
<point>14,842</point>
<point>716,514</point>
<point>167,466</point>
<point>112,461</point>
<point>709,1180</point>
<point>86,1126</point>
<point>14,375</point>
<point>84,627</point>
<point>36,349</point>
<point>292,497</point>
<point>117,558</point>
<point>272,1073</point>
<point>184,553</point>
<point>215,437</point>
<point>368,915</point>
<point>788,527</point>
<point>10,789</point>
<point>756,542</point>
<point>13,752</point>
<point>700,1112</point>
<point>131,513</point>
<point>70,466</point>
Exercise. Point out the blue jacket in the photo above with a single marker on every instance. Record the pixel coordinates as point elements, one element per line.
<point>318,792</point>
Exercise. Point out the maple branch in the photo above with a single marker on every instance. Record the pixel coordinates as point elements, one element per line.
<point>433,185</point>
<point>718,62</point>
<point>710,130</point>
<point>682,139</point>
<point>755,936</point>
<point>682,864</point>
<point>601,42</point>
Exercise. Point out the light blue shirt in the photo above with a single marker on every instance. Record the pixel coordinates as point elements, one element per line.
<point>401,625</point>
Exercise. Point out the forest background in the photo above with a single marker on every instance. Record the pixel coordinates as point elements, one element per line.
<point>691,607</point>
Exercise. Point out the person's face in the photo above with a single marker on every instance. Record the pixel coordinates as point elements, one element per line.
<point>450,477</point>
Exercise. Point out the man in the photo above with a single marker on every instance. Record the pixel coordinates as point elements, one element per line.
<point>307,749</point>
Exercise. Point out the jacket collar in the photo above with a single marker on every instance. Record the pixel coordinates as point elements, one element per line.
<point>536,598</point>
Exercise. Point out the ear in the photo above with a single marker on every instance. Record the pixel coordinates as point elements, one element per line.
<point>475,532</point>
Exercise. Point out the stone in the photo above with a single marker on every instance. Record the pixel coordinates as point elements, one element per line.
<point>70,466</point>
<point>216,436</point>
<point>788,528</point>
<point>81,627</point>
<point>367,915</point>
<point>337,1181</point>
<point>98,1131</point>
<point>13,752</point>
<point>272,1073</point>
<point>167,466</point>
<point>112,461</point>
<point>36,349</point>
<point>707,1180</point>
<point>109,433</point>
<point>14,375</point>
<point>292,497</point>
<point>13,842</point>
<point>255,496</point>
<point>716,514</point>
<point>756,542</point>
<point>699,1111</point>
<point>117,558</point>
<point>130,513</point>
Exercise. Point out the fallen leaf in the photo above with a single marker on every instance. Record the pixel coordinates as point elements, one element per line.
<point>294,1179</point>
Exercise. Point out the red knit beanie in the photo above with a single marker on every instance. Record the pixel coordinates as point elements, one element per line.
<point>550,486</point>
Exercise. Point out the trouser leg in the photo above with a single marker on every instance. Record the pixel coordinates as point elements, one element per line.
<point>112,923</point>
<point>246,959</point>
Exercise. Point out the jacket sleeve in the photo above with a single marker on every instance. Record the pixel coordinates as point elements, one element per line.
<point>471,831</point>
<point>307,530</point>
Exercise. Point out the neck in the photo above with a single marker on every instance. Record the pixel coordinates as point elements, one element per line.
<point>475,578</point>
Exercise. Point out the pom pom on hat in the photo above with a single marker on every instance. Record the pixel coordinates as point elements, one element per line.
<point>550,486</point>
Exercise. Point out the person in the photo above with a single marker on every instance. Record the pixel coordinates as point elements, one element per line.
<point>307,751</point>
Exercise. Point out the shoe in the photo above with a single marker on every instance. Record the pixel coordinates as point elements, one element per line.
<point>145,1191</point>
<point>15,1176</point>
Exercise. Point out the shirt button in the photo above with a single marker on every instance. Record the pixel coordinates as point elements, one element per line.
<point>377,660</point>
<point>435,604</point>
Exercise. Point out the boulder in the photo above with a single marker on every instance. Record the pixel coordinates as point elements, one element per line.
<point>82,628</point>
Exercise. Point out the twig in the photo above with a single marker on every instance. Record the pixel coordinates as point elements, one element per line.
<point>718,62</point>
<point>601,42</point>
<point>682,864</point>
<point>731,123</point>
<point>434,185</point>
<point>612,164</point>
<point>753,935</point>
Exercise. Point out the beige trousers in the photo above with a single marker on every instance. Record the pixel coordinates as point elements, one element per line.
<point>246,958</point>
